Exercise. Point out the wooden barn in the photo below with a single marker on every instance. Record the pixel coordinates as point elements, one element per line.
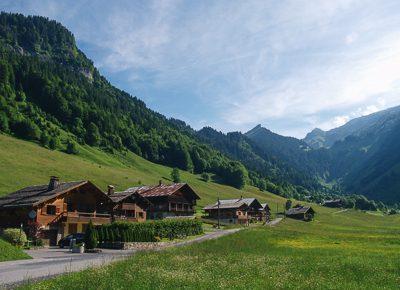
<point>305,213</point>
<point>240,211</point>
<point>128,205</point>
<point>173,200</point>
<point>58,208</point>
<point>266,212</point>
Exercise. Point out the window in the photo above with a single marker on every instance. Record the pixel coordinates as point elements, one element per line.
<point>141,215</point>
<point>51,210</point>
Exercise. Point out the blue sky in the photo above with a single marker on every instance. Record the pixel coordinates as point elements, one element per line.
<point>288,65</point>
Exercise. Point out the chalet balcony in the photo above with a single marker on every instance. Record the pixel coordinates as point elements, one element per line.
<point>126,219</point>
<point>76,216</point>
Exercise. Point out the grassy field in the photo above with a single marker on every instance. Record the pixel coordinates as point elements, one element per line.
<point>8,252</point>
<point>339,250</point>
<point>348,250</point>
<point>25,163</point>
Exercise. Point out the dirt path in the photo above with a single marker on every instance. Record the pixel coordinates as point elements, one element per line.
<point>50,262</point>
<point>340,211</point>
<point>274,222</point>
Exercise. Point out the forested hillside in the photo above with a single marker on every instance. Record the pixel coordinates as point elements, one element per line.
<point>49,87</point>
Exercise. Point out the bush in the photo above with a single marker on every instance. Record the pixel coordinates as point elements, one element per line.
<point>15,236</point>
<point>175,175</point>
<point>150,231</point>
<point>205,176</point>
<point>72,147</point>
<point>91,236</point>
<point>54,143</point>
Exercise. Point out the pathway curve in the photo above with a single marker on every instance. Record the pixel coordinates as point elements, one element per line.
<point>274,222</point>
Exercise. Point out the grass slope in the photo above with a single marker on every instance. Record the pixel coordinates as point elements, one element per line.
<point>346,250</point>
<point>25,163</point>
<point>8,252</point>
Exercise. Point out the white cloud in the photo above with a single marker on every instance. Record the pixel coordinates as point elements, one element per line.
<point>316,63</point>
<point>350,38</point>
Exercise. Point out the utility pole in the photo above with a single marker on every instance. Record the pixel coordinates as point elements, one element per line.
<point>218,213</point>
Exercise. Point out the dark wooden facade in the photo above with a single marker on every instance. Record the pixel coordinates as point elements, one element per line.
<point>58,209</point>
<point>128,206</point>
<point>173,200</point>
<point>305,213</point>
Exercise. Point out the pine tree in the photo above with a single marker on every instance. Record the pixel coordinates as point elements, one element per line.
<point>90,236</point>
<point>175,175</point>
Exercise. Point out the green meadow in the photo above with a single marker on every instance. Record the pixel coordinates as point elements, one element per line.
<point>347,250</point>
<point>9,252</point>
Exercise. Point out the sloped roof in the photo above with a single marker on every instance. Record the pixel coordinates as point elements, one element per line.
<point>232,203</point>
<point>264,206</point>
<point>37,194</point>
<point>120,196</point>
<point>153,191</point>
<point>299,210</point>
<point>226,205</point>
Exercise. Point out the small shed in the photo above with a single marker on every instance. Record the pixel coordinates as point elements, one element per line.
<point>305,213</point>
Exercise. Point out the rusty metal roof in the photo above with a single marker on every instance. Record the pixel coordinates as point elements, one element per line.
<point>153,190</point>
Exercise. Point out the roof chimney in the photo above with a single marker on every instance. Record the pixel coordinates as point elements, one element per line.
<point>54,181</point>
<point>160,182</point>
<point>110,189</point>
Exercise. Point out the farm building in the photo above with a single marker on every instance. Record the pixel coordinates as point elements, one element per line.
<point>128,205</point>
<point>266,212</point>
<point>57,208</point>
<point>333,203</point>
<point>177,199</point>
<point>305,213</point>
<point>239,211</point>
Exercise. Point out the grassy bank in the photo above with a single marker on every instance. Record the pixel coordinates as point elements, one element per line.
<point>349,250</point>
<point>8,252</point>
<point>25,163</point>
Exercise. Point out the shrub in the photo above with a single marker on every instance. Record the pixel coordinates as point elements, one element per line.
<point>175,175</point>
<point>288,204</point>
<point>150,231</point>
<point>91,236</point>
<point>54,143</point>
<point>72,148</point>
<point>205,176</point>
<point>15,236</point>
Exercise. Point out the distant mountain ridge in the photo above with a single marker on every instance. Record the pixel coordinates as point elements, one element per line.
<point>319,138</point>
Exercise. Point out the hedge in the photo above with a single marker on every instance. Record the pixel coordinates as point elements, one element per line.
<point>148,231</point>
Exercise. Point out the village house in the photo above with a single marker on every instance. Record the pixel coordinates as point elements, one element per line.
<point>300,212</point>
<point>266,212</point>
<point>58,208</point>
<point>333,203</point>
<point>128,205</point>
<point>177,199</point>
<point>237,211</point>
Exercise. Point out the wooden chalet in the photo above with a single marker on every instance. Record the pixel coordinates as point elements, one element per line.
<point>58,208</point>
<point>237,211</point>
<point>266,212</point>
<point>128,205</point>
<point>333,203</point>
<point>177,199</point>
<point>305,213</point>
